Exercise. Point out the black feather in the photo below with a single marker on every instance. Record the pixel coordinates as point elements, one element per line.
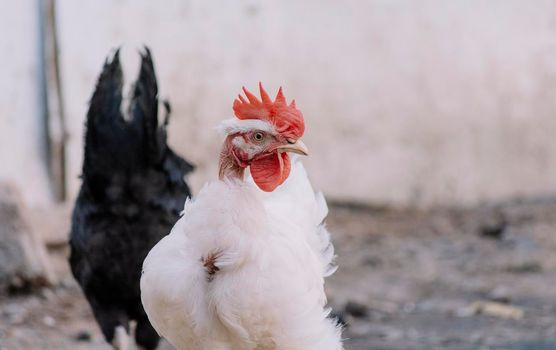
<point>132,192</point>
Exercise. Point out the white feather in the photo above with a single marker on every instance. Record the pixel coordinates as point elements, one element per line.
<point>299,202</point>
<point>234,125</point>
<point>273,253</point>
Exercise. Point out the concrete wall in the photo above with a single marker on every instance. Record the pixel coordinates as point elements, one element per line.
<point>406,102</point>
<point>22,128</point>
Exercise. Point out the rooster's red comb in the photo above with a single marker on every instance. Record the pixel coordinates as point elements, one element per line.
<point>287,119</point>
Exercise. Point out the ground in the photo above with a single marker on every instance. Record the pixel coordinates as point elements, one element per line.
<point>454,279</point>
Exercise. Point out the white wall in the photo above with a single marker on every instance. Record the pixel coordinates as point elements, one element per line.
<point>22,136</point>
<point>406,102</point>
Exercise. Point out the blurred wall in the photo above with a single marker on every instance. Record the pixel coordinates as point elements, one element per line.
<point>406,102</point>
<point>22,123</point>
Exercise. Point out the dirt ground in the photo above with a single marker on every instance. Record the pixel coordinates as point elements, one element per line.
<point>454,279</point>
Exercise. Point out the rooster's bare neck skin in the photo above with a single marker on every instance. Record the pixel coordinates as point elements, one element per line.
<point>229,168</point>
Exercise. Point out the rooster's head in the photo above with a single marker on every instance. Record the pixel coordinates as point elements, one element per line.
<point>261,137</point>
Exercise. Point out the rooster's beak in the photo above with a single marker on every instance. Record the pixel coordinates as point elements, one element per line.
<point>294,147</point>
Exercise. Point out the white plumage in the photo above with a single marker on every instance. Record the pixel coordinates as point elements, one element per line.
<point>271,251</point>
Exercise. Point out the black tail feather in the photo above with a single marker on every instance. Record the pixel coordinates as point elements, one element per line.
<point>105,122</point>
<point>144,110</point>
<point>115,147</point>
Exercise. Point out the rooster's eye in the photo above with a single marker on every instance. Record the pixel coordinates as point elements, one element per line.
<point>258,136</point>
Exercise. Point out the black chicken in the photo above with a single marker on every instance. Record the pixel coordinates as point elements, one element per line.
<point>131,195</point>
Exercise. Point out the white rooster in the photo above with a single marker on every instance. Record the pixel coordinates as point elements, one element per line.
<point>243,269</point>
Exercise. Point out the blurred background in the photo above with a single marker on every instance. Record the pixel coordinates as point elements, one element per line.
<point>431,128</point>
